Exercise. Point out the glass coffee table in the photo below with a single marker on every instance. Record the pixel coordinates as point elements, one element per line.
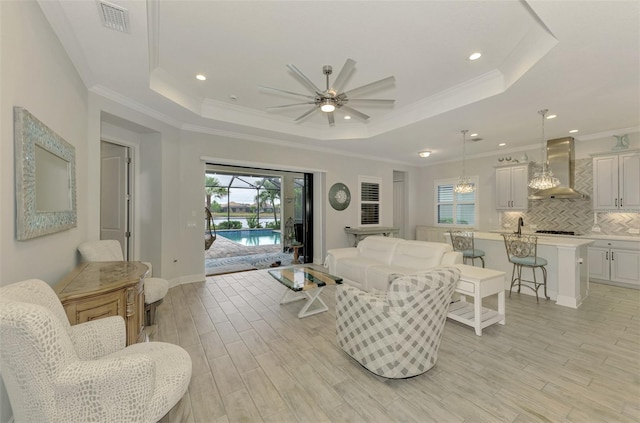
<point>304,283</point>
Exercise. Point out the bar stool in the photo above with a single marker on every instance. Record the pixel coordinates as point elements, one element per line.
<point>522,251</point>
<point>463,242</point>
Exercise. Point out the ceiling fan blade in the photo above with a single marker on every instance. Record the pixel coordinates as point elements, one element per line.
<point>278,90</point>
<point>371,86</point>
<point>354,112</point>
<point>304,79</point>
<point>289,105</point>
<point>304,115</point>
<point>343,75</point>
<point>372,101</point>
<point>330,116</point>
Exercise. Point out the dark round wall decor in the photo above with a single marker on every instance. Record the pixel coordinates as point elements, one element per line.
<point>339,196</point>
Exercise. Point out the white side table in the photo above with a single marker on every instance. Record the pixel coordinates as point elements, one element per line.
<point>478,283</point>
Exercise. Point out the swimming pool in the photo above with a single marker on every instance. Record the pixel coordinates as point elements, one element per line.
<point>252,237</point>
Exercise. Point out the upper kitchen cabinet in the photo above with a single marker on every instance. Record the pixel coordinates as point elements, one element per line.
<point>616,181</point>
<point>511,187</point>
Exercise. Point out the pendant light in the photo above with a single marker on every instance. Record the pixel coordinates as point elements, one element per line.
<point>543,179</point>
<point>464,185</point>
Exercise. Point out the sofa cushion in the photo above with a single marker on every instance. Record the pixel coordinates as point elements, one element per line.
<point>378,248</point>
<point>354,270</point>
<point>378,276</point>
<point>419,255</point>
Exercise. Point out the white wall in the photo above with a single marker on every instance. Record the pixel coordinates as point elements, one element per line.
<point>37,75</point>
<point>195,147</point>
<point>157,175</point>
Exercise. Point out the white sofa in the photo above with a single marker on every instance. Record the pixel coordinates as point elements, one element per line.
<point>369,265</point>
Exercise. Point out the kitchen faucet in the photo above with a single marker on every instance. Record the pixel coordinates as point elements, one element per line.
<point>520,225</point>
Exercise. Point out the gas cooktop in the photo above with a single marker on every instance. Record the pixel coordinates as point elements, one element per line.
<point>557,232</point>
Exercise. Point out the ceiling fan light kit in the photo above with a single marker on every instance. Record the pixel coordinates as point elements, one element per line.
<point>327,106</point>
<point>333,98</point>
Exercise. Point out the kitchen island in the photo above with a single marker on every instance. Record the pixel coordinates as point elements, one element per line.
<point>567,267</point>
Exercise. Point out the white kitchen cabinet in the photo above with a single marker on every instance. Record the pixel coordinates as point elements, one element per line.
<point>616,182</point>
<point>615,261</point>
<point>511,187</point>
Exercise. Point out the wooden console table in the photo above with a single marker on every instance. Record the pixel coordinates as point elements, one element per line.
<point>101,289</point>
<point>362,233</point>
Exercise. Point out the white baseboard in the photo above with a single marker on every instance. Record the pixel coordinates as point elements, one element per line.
<point>181,280</point>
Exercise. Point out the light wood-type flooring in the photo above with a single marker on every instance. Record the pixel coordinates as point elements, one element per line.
<point>254,361</point>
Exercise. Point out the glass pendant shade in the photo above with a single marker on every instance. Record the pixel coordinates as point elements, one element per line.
<point>543,179</point>
<point>464,185</point>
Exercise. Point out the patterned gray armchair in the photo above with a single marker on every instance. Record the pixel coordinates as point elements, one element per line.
<point>396,334</point>
<point>55,372</point>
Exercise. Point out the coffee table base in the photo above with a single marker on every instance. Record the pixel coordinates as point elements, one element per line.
<point>292,296</point>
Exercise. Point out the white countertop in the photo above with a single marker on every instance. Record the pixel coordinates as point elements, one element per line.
<point>631,238</point>
<point>564,241</point>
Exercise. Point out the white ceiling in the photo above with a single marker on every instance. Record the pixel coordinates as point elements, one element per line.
<point>580,59</point>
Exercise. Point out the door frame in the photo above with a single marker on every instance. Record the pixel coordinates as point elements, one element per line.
<point>134,204</point>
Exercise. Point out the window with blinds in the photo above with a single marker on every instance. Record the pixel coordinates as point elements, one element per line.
<point>455,209</point>
<point>369,201</point>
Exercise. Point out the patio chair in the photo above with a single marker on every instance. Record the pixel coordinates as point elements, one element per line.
<point>210,237</point>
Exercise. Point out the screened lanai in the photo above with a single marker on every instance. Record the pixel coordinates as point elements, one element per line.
<point>251,225</point>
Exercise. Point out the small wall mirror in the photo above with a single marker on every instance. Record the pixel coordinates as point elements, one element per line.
<point>45,178</point>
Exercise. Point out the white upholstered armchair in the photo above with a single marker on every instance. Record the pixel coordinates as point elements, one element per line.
<point>55,372</point>
<point>397,333</point>
<point>110,250</point>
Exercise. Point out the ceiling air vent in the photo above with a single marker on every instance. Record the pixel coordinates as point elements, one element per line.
<point>114,17</point>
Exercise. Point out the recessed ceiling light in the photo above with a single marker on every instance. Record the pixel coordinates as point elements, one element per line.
<point>201,77</point>
<point>573,131</point>
<point>347,117</point>
<point>473,135</point>
<point>424,153</point>
<point>233,97</point>
<point>475,56</point>
<point>502,144</point>
<point>552,116</point>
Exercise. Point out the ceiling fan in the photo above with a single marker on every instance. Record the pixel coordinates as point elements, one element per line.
<point>333,97</point>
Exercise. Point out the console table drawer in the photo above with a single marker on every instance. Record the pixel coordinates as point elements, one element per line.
<point>97,308</point>
<point>465,287</point>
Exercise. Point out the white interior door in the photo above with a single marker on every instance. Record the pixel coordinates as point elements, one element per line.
<point>115,198</point>
<point>399,201</point>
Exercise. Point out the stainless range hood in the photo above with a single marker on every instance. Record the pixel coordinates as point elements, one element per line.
<point>560,154</point>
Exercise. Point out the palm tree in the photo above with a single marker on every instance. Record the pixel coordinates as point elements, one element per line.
<point>213,188</point>
<point>268,194</point>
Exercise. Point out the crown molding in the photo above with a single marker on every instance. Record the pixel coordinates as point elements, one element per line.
<point>132,104</point>
<point>608,134</point>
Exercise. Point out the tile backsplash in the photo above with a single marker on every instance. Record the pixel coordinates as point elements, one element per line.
<point>573,215</point>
